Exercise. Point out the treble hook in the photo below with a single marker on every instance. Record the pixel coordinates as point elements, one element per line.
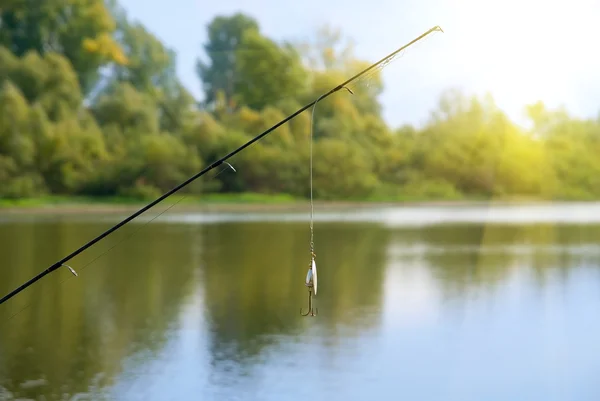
<point>309,283</point>
<point>311,311</point>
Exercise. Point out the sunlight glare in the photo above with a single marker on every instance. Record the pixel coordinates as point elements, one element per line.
<point>528,50</point>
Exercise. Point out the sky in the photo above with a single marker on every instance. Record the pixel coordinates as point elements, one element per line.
<point>520,51</point>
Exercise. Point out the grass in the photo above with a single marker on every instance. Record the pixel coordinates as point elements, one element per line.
<point>207,199</point>
<point>417,191</point>
<point>235,200</point>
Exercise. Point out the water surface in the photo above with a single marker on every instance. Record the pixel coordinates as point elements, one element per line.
<point>427,303</point>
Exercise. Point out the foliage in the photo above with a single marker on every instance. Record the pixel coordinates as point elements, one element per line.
<point>224,38</point>
<point>137,131</point>
<point>80,30</point>
<point>266,72</point>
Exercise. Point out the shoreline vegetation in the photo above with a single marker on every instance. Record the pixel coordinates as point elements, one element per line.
<point>244,202</point>
<point>94,117</point>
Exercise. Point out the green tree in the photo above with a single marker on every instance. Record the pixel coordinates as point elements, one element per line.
<point>81,30</point>
<point>49,80</point>
<point>132,111</point>
<point>266,72</point>
<point>224,38</point>
<point>342,170</point>
<point>17,149</point>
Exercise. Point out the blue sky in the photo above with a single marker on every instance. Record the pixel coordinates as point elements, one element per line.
<point>518,50</point>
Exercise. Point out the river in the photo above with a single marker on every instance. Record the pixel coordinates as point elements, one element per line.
<point>422,303</point>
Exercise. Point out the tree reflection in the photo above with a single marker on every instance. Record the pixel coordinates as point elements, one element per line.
<point>254,282</point>
<point>79,330</point>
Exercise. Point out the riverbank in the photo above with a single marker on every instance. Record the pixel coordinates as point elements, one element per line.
<point>70,204</point>
<point>226,203</point>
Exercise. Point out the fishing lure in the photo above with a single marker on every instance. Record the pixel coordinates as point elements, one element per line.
<point>311,283</point>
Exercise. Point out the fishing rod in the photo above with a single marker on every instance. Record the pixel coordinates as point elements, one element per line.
<point>61,263</point>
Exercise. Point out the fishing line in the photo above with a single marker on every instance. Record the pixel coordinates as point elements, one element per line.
<point>124,239</point>
<point>312,243</point>
<point>312,117</point>
<point>215,164</point>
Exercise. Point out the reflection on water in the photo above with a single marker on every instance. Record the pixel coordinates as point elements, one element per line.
<point>189,308</point>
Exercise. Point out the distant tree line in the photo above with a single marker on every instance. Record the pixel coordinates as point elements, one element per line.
<point>90,104</point>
